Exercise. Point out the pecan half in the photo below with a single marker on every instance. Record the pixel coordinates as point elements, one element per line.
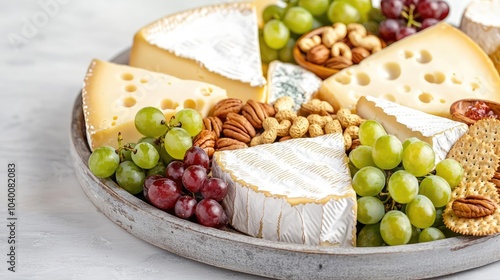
<point>473,206</point>
<point>254,113</point>
<point>497,184</point>
<point>238,127</point>
<point>206,140</point>
<point>268,108</point>
<point>225,143</point>
<point>338,63</point>
<point>213,124</point>
<point>226,106</point>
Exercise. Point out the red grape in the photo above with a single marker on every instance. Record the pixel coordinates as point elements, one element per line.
<point>147,183</point>
<point>405,31</point>
<point>163,193</point>
<point>174,171</point>
<point>408,3</point>
<point>391,8</point>
<point>428,9</point>
<point>196,156</point>
<point>428,22</point>
<point>444,9</point>
<point>214,188</point>
<point>388,29</point>
<point>194,177</point>
<point>210,213</point>
<point>184,207</point>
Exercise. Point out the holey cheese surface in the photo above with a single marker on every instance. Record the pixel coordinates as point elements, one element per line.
<point>297,191</point>
<point>403,122</point>
<point>426,71</point>
<point>112,94</point>
<point>216,44</point>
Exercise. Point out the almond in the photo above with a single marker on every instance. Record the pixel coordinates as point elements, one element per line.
<point>338,62</point>
<point>358,54</point>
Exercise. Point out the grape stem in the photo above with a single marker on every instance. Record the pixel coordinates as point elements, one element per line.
<point>409,14</point>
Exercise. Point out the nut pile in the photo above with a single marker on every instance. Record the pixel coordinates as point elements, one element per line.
<point>340,45</point>
<point>234,125</point>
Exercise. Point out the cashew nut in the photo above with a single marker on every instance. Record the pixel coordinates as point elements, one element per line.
<point>284,103</point>
<point>356,28</point>
<point>269,135</point>
<point>369,42</point>
<point>333,34</point>
<point>299,127</point>
<point>341,49</point>
<point>306,44</point>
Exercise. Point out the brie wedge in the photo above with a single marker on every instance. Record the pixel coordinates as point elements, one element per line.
<point>216,44</point>
<point>297,191</point>
<point>403,122</point>
<point>112,95</point>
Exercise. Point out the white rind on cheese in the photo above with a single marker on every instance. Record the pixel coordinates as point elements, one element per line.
<point>427,71</point>
<point>481,21</point>
<point>112,95</point>
<point>295,191</point>
<point>216,44</point>
<point>286,79</point>
<point>403,122</point>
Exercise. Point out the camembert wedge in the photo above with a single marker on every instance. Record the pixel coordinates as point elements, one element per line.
<point>112,94</point>
<point>296,191</point>
<point>403,122</point>
<point>426,71</point>
<point>216,44</point>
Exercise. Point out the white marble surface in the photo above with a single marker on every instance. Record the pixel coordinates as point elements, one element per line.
<point>60,234</point>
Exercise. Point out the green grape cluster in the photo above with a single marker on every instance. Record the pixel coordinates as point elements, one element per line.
<point>284,25</point>
<point>401,191</point>
<point>163,142</point>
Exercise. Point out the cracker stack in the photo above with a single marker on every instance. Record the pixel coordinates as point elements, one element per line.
<point>474,207</point>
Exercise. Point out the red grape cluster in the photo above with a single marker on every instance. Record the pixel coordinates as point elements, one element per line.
<point>406,17</point>
<point>187,191</point>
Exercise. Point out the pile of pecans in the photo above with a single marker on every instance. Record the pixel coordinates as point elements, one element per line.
<point>339,46</point>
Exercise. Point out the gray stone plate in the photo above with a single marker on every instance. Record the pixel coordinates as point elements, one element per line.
<point>235,251</point>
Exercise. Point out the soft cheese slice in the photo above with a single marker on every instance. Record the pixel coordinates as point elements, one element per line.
<point>403,122</point>
<point>295,191</point>
<point>286,79</point>
<point>216,44</point>
<point>427,71</point>
<point>112,94</point>
<point>481,21</point>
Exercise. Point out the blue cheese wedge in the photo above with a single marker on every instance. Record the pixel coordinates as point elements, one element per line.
<point>403,122</point>
<point>286,79</point>
<point>297,191</point>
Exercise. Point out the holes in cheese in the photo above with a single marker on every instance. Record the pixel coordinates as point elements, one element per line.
<point>168,104</point>
<point>425,57</point>
<point>435,78</point>
<point>128,101</point>
<point>362,79</point>
<point>343,79</point>
<point>392,70</point>
<point>130,88</point>
<point>408,54</point>
<point>425,97</point>
<point>127,77</point>
<point>144,81</point>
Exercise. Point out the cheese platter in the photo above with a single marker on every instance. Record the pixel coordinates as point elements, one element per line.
<point>296,176</point>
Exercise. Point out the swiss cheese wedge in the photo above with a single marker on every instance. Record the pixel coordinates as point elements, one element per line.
<point>426,71</point>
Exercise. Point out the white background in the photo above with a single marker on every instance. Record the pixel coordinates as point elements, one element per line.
<point>60,234</point>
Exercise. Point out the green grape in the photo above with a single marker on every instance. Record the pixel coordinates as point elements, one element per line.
<point>370,210</point>
<point>165,157</point>
<point>153,141</point>
<point>145,155</point>
<point>372,27</point>
<point>438,222</point>
<point>190,120</point>
<point>419,158</point>
<point>363,6</point>
<point>421,212</point>
<point>430,234</point>
<point>436,189</point>
<point>369,236</point>
<point>352,169</point>
<point>375,14</point>
<point>150,121</point>
<point>415,232</point>
<point>339,11</point>
<point>408,141</point>
<point>130,177</point>
<point>267,54</point>
<point>272,12</point>
<point>125,154</point>
<point>286,53</point>
<point>368,181</point>
<point>387,152</point>
<point>298,20</point>
<point>395,228</point>
<point>315,7</point>
<point>361,156</point>
<point>317,23</point>
<point>159,169</point>
<point>450,170</point>
<point>402,186</point>
<point>103,161</point>
<point>369,131</point>
<point>276,34</point>
<point>177,142</point>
